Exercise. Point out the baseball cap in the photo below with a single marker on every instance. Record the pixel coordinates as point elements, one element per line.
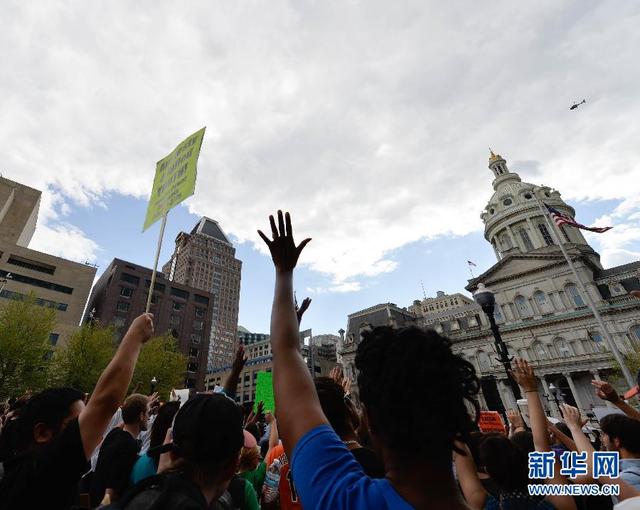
<point>208,428</point>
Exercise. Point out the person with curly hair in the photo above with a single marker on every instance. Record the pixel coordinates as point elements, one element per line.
<point>413,431</point>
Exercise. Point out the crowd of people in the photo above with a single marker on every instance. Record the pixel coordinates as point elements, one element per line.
<point>412,441</point>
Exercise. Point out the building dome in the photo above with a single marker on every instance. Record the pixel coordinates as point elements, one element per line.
<point>512,217</point>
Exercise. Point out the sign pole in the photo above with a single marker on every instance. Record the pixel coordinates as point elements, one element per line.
<point>155,264</point>
<point>594,309</point>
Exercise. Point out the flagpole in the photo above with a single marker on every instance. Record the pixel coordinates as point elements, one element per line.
<point>155,264</point>
<point>605,332</point>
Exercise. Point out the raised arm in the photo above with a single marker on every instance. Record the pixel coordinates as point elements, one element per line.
<point>516,422</point>
<point>112,386</point>
<point>525,377</point>
<point>297,406</point>
<point>231,382</point>
<point>605,391</point>
<point>568,443</point>
<point>472,489</point>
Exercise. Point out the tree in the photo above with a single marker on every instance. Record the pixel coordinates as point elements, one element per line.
<point>160,358</point>
<point>25,328</point>
<point>82,359</point>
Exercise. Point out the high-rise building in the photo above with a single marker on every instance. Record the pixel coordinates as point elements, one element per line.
<point>56,282</point>
<point>120,295</point>
<point>205,259</point>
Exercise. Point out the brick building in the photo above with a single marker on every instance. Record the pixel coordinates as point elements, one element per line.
<point>120,295</point>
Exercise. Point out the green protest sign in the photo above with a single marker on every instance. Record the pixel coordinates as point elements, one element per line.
<point>264,392</point>
<point>175,178</point>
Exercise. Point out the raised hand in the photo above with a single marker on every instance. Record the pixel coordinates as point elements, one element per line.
<point>142,327</point>
<point>515,419</point>
<point>284,251</point>
<point>153,404</point>
<point>303,308</point>
<point>524,376</point>
<point>605,391</point>
<point>239,360</point>
<point>571,416</point>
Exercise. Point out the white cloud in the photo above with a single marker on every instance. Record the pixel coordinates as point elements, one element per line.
<point>370,124</point>
<point>66,241</point>
<point>617,245</point>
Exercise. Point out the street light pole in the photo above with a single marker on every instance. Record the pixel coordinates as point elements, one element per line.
<point>487,301</point>
<point>4,281</point>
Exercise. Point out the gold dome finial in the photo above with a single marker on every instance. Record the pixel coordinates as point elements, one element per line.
<point>493,156</point>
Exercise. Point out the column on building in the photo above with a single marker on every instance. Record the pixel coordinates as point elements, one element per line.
<point>574,390</point>
<point>508,400</point>
<point>535,234</point>
<point>554,409</point>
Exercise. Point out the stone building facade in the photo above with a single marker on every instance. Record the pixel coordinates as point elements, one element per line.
<point>205,259</point>
<point>55,282</point>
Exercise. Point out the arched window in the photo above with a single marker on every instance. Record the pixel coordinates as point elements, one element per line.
<point>563,348</point>
<point>526,240</point>
<point>523,306</point>
<point>497,313</point>
<point>524,354</point>
<point>635,333</point>
<point>545,234</point>
<point>484,363</point>
<point>574,294</point>
<point>539,350</point>
<point>595,342</point>
<point>542,301</point>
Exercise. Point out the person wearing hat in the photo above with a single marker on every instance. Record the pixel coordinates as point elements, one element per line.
<point>198,463</point>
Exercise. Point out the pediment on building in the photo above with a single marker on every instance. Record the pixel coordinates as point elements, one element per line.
<point>516,266</point>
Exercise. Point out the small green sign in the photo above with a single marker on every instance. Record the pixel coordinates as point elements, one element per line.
<point>264,392</point>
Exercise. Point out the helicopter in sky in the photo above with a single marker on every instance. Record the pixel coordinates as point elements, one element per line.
<point>576,105</point>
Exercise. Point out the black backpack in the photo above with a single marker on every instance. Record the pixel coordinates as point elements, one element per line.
<point>159,492</point>
<point>162,492</point>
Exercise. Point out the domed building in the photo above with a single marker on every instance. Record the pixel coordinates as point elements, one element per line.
<point>540,308</point>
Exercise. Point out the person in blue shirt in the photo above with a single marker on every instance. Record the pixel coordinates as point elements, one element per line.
<point>147,464</point>
<point>621,433</point>
<point>413,391</point>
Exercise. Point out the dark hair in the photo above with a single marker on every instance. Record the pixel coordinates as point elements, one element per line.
<point>624,429</point>
<point>524,440</point>
<point>331,396</point>
<point>415,392</point>
<point>564,428</point>
<point>50,407</point>
<point>504,462</point>
<point>161,424</point>
<point>134,405</point>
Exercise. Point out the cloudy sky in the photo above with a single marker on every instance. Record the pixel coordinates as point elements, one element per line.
<point>369,121</point>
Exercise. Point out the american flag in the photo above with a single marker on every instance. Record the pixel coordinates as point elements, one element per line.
<point>562,219</point>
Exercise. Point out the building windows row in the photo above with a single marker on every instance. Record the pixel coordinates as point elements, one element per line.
<point>543,303</point>
<point>16,277</point>
<point>17,296</point>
